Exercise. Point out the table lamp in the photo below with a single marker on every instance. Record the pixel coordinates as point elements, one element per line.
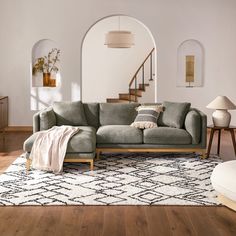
<point>221,117</point>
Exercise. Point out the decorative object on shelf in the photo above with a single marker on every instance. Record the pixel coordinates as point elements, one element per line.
<point>190,64</point>
<point>119,38</point>
<point>189,69</point>
<point>47,65</point>
<point>221,117</point>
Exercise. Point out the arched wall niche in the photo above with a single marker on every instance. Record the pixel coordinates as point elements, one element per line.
<point>106,72</point>
<point>190,64</point>
<point>45,64</point>
<point>45,74</point>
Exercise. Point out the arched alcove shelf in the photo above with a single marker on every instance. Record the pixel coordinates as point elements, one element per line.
<point>45,74</point>
<point>190,64</point>
<point>45,64</point>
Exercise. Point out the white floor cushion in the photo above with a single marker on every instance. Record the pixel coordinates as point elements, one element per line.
<point>223,179</point>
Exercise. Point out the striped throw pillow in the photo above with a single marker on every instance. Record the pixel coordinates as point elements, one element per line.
<point>147,117</point>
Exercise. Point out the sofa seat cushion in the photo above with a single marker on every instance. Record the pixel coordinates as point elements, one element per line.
<point>84,141</point>
<point>119,134</point>
<point>166,135</point>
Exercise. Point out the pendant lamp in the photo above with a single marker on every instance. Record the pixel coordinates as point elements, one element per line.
<point>119,38</point>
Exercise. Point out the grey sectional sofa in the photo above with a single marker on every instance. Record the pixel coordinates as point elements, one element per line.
<point>105,127</point>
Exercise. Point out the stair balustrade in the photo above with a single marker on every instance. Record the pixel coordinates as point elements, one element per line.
<point>139,86</point>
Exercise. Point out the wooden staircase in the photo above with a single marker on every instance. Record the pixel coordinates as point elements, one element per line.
<point>136,89</point>
<point>129,97</point>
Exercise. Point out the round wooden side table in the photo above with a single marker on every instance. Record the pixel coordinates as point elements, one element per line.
<point>219,129</point>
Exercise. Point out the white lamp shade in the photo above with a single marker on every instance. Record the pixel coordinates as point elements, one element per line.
<point>221,102</point>
<point>119,39</point>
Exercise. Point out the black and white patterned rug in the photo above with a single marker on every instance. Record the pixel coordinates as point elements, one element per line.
<point>118,179</point>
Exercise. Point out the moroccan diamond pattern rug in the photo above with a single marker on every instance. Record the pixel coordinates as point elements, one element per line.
<point>118,179</point>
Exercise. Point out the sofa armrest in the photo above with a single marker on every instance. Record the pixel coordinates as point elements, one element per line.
<point>204,129</point>
<point>196,126</point>
<point>36,122</point>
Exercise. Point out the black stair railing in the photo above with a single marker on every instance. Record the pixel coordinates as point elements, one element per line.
<point>134,79</point>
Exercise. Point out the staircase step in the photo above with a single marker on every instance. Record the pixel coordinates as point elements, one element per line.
<point>139,92</point>
<point>143,86</point>
<point>126,96</point>
<point>116,100</point>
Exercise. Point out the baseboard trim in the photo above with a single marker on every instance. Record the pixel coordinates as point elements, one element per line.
<point>19,129</point>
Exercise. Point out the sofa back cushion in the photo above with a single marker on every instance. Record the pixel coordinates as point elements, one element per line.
<point>174,114</point>
<point>117,113</point>
<point>69,113</point>
<point>91,111</point>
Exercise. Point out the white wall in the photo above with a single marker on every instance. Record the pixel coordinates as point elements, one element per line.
<point>24,22</point>
<point>106,72</point>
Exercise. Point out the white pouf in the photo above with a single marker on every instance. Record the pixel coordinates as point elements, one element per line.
<point>223,179</point>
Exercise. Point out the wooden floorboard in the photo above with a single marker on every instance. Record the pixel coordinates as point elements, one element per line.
<point>179,221</point>
<point>112,220</point>
<point>158,222</point>
<point>114,223</point>
<point>200,220</point>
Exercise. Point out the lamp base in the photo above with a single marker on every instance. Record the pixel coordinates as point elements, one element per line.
<point>221,118</point>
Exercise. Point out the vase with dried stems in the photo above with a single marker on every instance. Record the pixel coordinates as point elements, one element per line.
<point>47,65</point>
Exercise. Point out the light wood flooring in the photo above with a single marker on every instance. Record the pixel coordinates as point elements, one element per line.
<point>112,220</point>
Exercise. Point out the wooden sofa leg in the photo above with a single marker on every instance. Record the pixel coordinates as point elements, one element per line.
<point>98,155</point>
<point>91,165</point>
<point>27,164</point>
<point>203,156</point>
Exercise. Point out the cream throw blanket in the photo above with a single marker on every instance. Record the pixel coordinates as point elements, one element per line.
<point>49,148</point>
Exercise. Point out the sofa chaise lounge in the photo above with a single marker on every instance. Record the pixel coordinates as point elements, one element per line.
<point>105,127</point>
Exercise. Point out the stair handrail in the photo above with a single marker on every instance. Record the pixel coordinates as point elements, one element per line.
<point>149,54</point>
<point>134,78</point>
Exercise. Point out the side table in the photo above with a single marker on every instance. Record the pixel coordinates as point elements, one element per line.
<point>219,129</point>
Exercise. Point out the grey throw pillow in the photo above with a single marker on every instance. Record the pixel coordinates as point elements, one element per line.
<point>47,119</point>
<point>147,117</point>
<point>70,113</point>
<point>174,114</point>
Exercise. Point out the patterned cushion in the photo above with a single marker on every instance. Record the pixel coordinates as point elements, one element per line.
<point>47,119</point>
<point>147,117</point>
